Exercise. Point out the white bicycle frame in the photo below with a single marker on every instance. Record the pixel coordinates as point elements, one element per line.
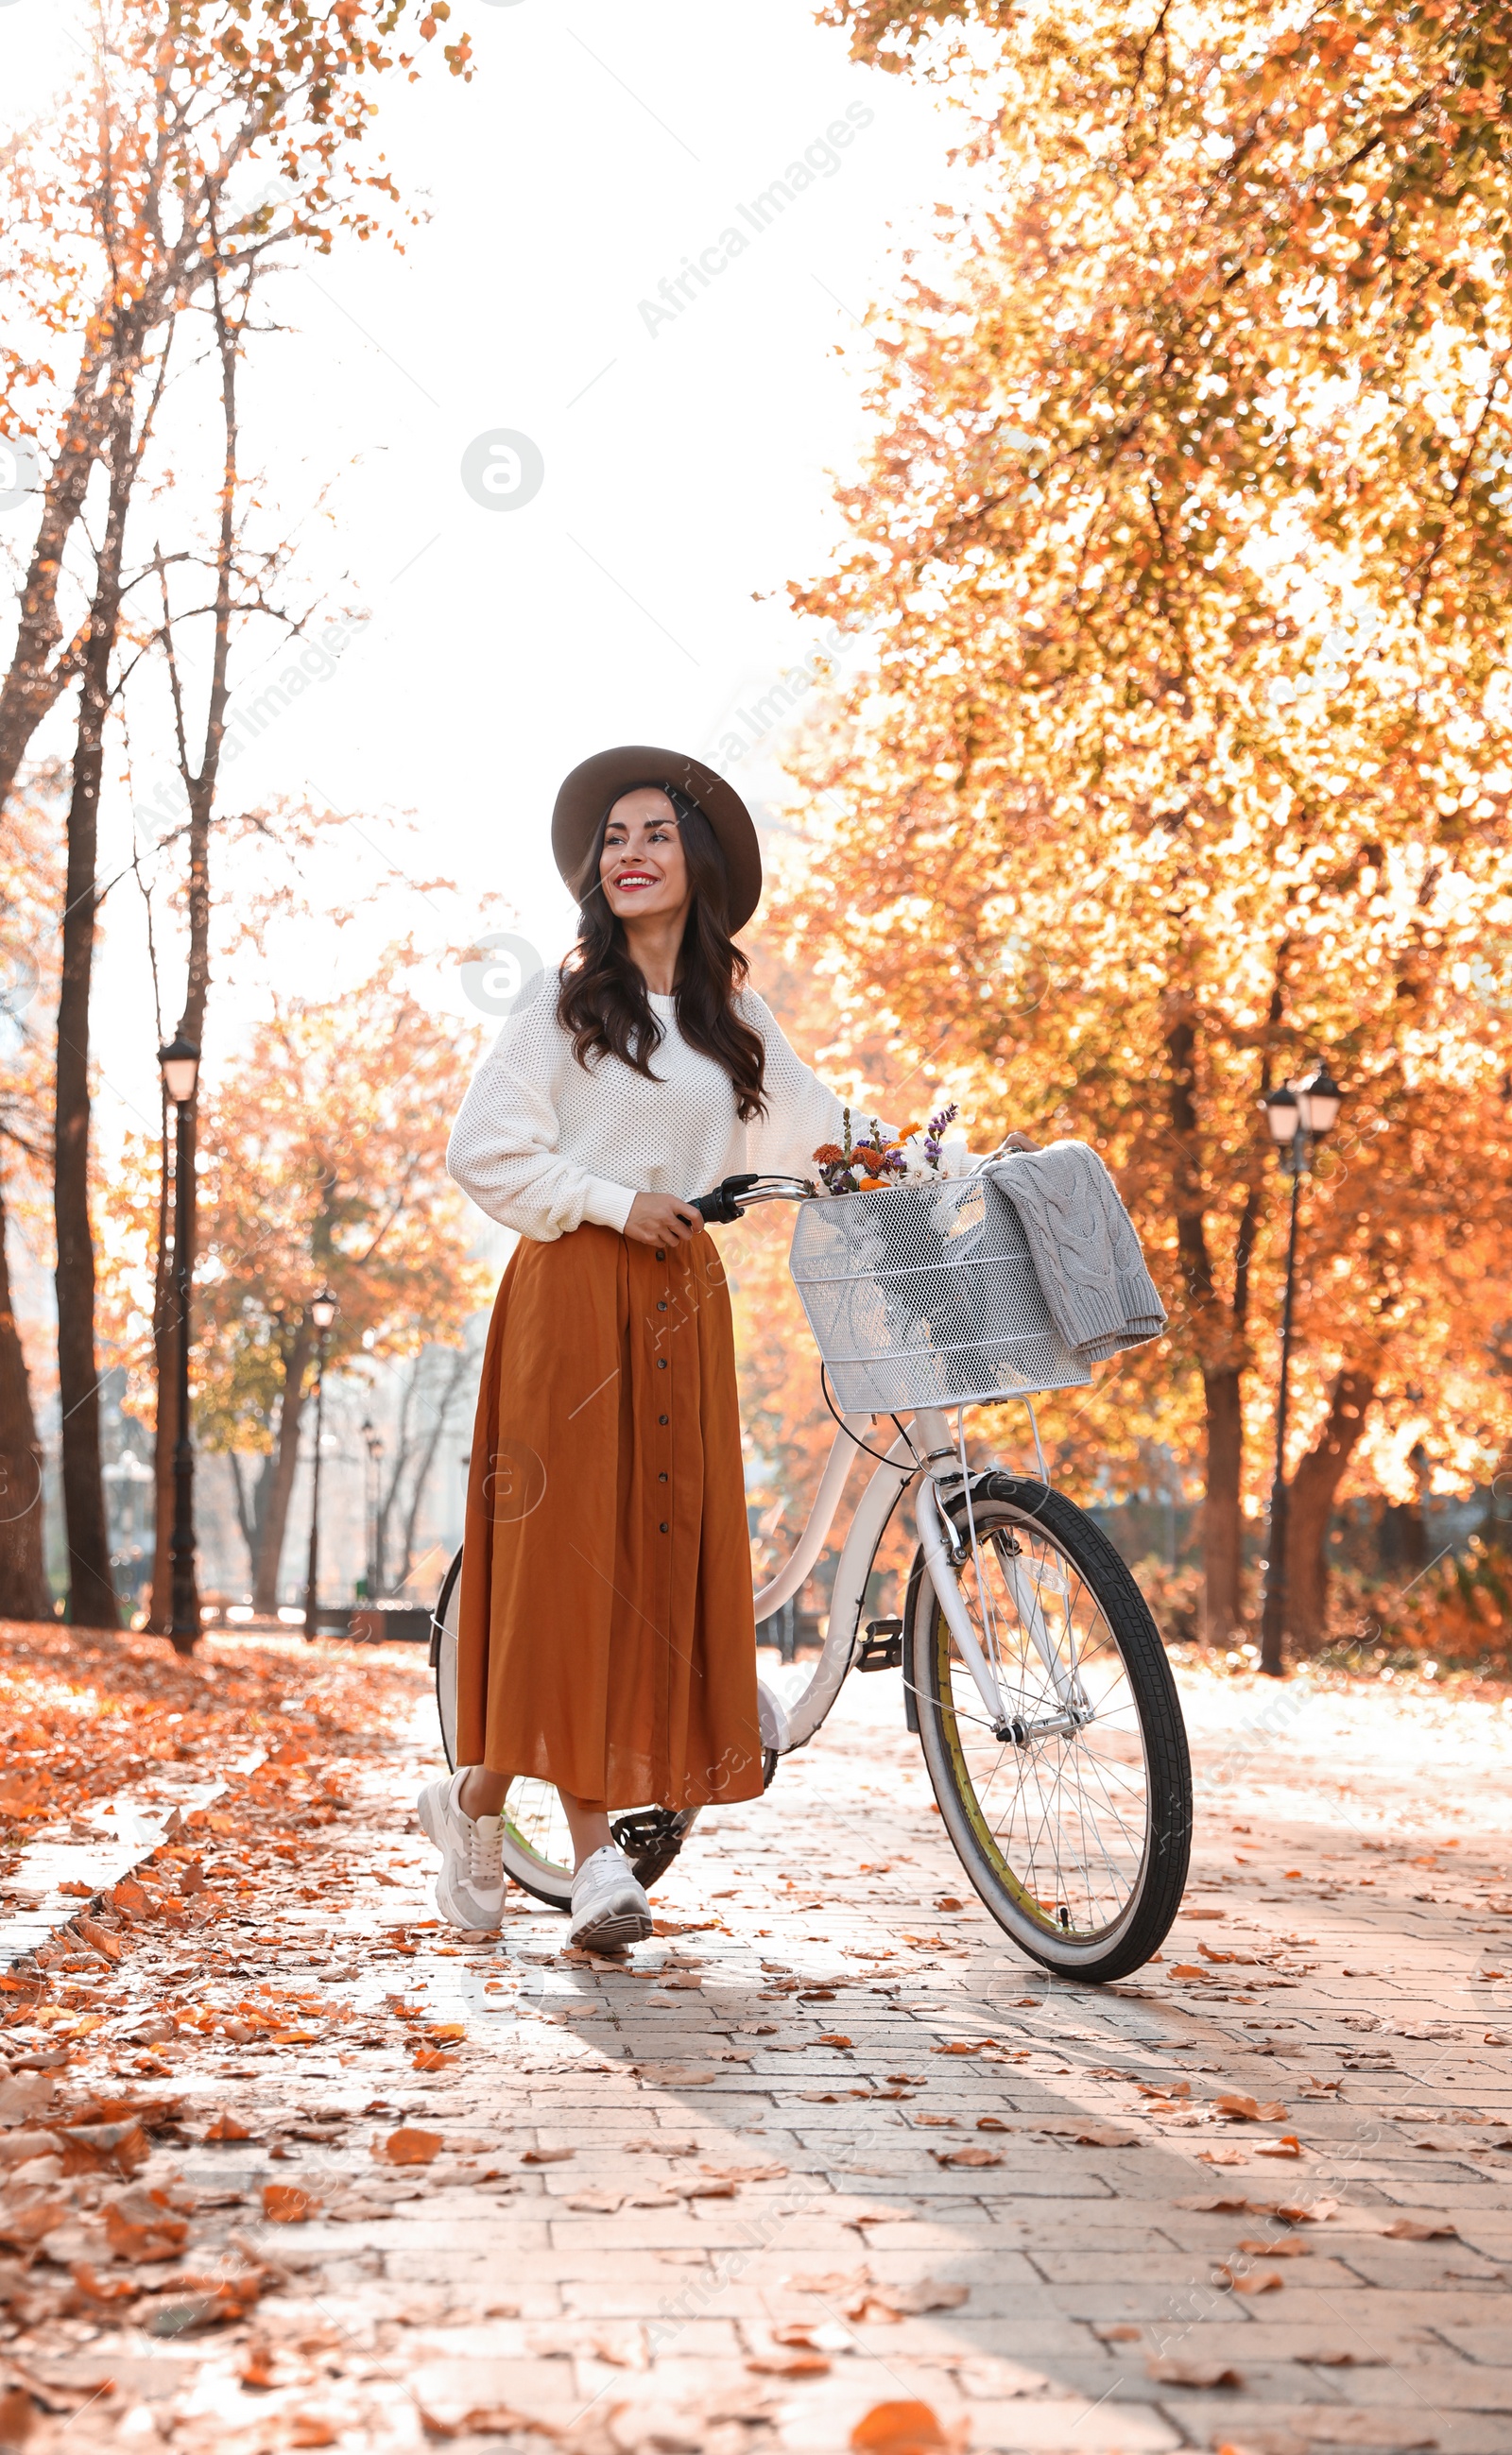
<point>934,1463</point>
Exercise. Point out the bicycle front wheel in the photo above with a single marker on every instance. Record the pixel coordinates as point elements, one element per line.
<point>1076,1827</point>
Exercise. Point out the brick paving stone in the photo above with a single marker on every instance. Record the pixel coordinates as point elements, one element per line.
<point>633,2329</point>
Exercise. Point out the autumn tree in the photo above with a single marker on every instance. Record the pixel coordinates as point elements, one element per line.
<point>322,1149</point>
<point>1182,748</point>
<point>120,219</point>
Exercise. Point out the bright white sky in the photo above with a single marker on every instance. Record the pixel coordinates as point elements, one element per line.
<point>687,474</point>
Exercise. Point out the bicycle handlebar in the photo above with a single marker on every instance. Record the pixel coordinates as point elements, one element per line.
<point>737,1194</point>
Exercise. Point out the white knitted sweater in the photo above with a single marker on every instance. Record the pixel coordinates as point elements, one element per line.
<point>543,1144</point>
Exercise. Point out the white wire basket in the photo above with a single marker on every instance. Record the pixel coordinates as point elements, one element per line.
<point>925,1295</point>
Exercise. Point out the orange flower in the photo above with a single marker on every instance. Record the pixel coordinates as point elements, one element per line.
<point>906,1133</point>
<point>828,1153</point>
<point>873,1185</point>
<point>867,1155</point>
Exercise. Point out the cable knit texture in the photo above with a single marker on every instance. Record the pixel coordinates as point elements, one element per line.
<point>1085,1253</point>
<point>543,1143</point>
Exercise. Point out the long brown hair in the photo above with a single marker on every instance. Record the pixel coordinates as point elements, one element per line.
<point>603,1000</point>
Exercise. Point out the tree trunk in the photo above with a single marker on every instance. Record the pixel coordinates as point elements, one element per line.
<point>281,1483</point>
<point>91,1590</point>
<point>37,677</point>
<point>24,1591</point>
<point>1314,1486</point>
<point>1222,1519</point>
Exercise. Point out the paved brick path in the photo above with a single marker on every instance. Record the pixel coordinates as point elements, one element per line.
<point>842,2147</point>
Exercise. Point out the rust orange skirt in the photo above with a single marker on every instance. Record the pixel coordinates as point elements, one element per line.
<point>606,1641</point>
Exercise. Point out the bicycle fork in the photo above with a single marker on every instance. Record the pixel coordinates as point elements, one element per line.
<point>943,1557</point>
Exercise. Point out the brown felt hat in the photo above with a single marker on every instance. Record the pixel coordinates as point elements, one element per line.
<point>591,788</point>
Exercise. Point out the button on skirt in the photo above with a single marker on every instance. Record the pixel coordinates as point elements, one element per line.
<point>606,1640</point>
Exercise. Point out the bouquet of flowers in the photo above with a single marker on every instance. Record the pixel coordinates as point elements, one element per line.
<point>869,1166</point>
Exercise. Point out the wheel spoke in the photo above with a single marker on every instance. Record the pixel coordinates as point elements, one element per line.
<point>1068,1812</point>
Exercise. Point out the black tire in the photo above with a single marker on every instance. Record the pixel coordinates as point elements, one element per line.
<point>535,1830</point>
<point>1076,1838</point>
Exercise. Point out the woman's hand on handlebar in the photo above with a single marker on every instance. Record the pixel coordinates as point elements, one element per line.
<point>661,1219</point>
<point>1017,1141</point>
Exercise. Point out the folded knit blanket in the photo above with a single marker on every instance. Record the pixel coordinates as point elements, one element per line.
<point>1084,1249</point>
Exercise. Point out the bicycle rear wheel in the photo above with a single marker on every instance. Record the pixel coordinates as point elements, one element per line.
<point>1076,1828</point>
<point>537,1843</point>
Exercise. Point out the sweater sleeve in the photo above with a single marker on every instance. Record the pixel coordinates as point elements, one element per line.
<point>801,1112</point>
<point>504,1151</point>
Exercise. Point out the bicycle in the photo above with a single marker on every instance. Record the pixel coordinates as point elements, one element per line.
<point>1034,1674</point>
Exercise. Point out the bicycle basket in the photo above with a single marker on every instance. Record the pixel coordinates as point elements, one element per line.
<point>925,1295</point>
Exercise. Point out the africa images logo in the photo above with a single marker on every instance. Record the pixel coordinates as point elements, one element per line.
<point>820,160</point>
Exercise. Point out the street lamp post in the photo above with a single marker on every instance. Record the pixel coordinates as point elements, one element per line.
<point>179,1062</point>
<point>1297,1115</point>
<point>323,1309</point>
<point>373,1497</point>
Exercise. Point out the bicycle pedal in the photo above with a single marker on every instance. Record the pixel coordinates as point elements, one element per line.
<point>882,1647</point>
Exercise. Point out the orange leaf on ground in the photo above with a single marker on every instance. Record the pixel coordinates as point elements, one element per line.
<point>141,2227</point>
<point>1170,2371</point>
<point>285,2203</point>
<point>1288,2145</point>
<point>432,2059</point>
<point>311,2429</point>
<point>786,2364</point>
<point>901,2429</point>
<point>966,2156</point>
<point>546,2156</point>
<point>1421,2229</point>
<point>408,2147</point>
<point>227,2127</point>
<point>441,2030</point>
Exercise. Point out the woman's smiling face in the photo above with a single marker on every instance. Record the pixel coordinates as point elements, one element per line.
<point>642,864</point>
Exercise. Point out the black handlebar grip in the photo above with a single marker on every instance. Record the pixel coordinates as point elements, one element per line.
<point>721,1206</point>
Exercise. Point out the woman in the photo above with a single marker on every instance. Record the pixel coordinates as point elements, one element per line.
<point>607,1638</point>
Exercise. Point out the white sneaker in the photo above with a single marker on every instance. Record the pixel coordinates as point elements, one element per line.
<point>609,1907</point>
<point>470,1887</point>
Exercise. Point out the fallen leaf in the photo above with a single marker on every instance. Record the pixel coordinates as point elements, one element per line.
<point>141,2227</point>
<point>1265,2282</point>
<point>677,2075</point>
<point>104,2147</point>
<point>1245,2109</point>
<point>1085,2131</point>
<point>928,2294</point>
<point>1286,2248</point>
<point>226,2127</point>
<point>257,2363</point>
<point>602,2203</point>
<point>834,2039</point>
<point>1215,2203</point>
<point>992,2123</point>
<point>1220,2156</point>
<point>1170,2371</point>
<point>1421,2229</point>
<point>311,2429</point>
<point>431,2059</point>
<point>90,2289</point>
<point>410,2147</point>
<point>966,2156</point>
<point>537,2155</point>
<point>1118,2331</point>
<point>782,2363</point>
<point>1288,2145</point>
<point>18,2414</point>
<point>285,2203</point>
<point>901,2429</point>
